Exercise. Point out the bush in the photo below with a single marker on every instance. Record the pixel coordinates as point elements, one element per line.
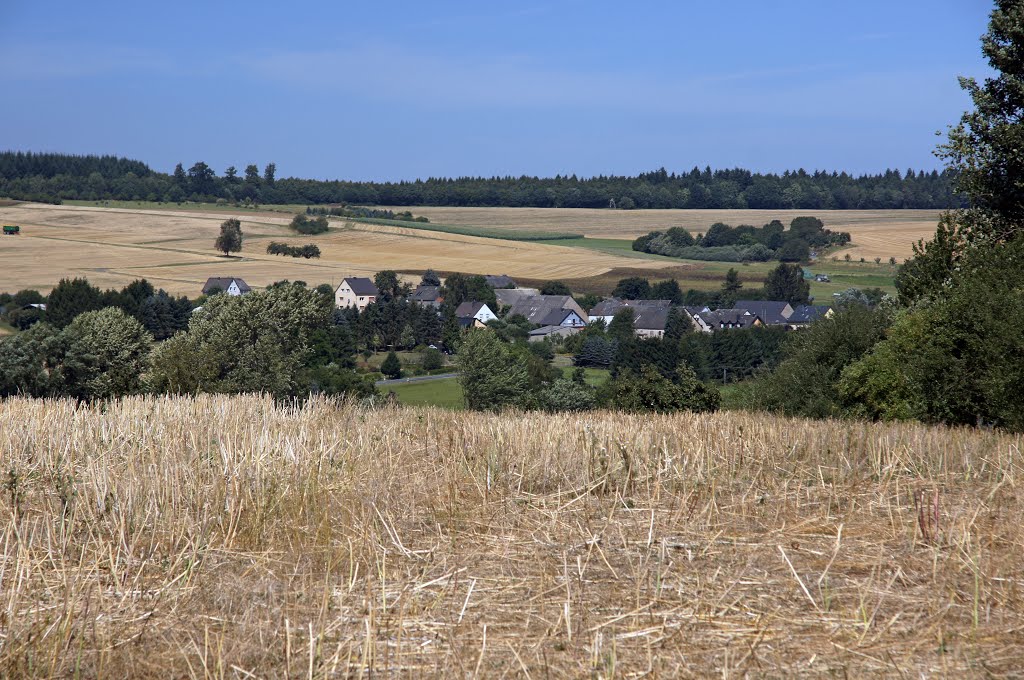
<point>307,251</point>
<point>649,390</point>
<point>432,359</point>
<point>304,225</point>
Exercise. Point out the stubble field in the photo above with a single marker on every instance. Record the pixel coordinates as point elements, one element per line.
<point>174,250</point>
<point>231,537</point>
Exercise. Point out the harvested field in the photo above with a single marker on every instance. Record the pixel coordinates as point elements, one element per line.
<point>174,250</point>
<point>876,233</point>
<point>226,536</point>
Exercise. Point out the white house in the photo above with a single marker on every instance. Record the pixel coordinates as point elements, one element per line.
<point>355,291</point>
<point>228,285</point>
<point>472,309</point>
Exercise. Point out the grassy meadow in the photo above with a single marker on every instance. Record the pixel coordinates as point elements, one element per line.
<point>231,537</point>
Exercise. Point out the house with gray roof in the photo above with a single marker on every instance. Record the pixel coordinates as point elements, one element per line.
<point>649,316</point>
<point>805,315</point>
<point>507,297</point>
<point>771,312</point>
<point>549,310</point>
<point>356,291</point>
<point>725,319</point>
<point>225,284</point>
<point>428,296</point>
<point>473,310</point>
<point>499,281</point>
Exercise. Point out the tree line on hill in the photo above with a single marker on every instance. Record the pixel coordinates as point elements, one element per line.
<point>52,177</point>
<point>745,243</point>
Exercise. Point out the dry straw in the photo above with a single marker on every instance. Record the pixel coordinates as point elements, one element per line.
<point>232,537</point>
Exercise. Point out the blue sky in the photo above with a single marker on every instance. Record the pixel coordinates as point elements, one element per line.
<point>401,90</point>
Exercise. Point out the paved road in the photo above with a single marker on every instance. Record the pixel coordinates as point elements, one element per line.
<point>416,379</point>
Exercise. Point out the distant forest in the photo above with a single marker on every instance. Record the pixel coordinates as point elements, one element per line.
<point>55,177</point>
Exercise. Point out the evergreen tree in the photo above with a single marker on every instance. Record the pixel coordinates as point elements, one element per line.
<point>430,278</point>
<point>786,282</point>
<point>391,367</point>
<point>71,298</point>
<point>492,376</point>
<point>731,288</point>
<point>621,326</point>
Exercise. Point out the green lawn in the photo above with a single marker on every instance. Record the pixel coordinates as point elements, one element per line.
<point>446,393</point>
<point>6,328</point>
<point>595,377</point>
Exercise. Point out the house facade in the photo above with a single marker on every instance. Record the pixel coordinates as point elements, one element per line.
<point>355,292</point>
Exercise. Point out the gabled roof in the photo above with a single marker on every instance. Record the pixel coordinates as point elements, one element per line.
<point>808,313</point>
<point>649,315</point>
<point>361,286</point>
<point>694,310</point>
<point>729,318</point>
<point>426,294</point>
<point>650,318</point>
<point>538,308</point>
<point>555,317</point>
<point>223,282</point>
<point>469,309</point>
<point>500,281</point>
<point>509,296</point>
<point>771,312</point>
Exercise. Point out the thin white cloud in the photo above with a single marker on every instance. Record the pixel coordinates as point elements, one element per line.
<point>44,62</point>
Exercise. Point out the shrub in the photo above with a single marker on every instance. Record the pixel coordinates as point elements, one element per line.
<point>392,367</point>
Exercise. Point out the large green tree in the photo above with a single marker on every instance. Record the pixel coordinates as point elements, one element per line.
<point>954,354</point>
<point>493,377</point>
<point>107,353</point>
<point>786,282</point>
<point>230,238</point>
<point>258,342</point>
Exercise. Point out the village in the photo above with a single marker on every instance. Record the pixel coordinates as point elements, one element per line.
<point>561,316</point>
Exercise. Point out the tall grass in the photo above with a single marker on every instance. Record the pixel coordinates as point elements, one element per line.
<point>232,537</point>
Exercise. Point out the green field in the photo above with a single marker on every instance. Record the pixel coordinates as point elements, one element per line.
<point>446,393</point>
<point>480,232</point>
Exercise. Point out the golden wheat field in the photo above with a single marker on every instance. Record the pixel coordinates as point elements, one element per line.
<point>876,233</point>
<point>232,537</point>
<point>174,250</point>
